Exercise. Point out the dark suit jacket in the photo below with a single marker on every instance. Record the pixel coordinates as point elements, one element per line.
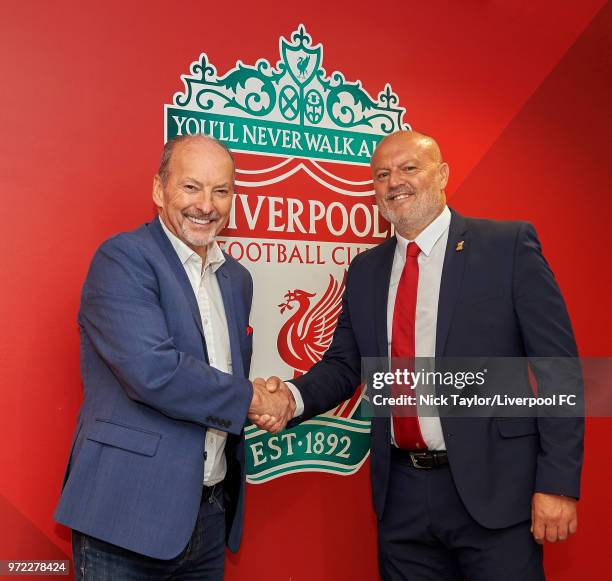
<point>135,473</point>
<point>498,298</point>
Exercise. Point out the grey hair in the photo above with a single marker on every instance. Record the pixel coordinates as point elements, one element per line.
<point>164,164</point>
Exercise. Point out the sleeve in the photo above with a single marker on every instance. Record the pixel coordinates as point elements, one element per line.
<point>121,316</point>
<point>297,396</point>
<point>549,343</point>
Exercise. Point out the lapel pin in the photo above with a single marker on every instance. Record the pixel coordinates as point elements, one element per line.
<point>460,246</point>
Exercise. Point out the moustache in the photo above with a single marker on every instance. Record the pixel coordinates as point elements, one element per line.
<point>399,190</point>
<point>213,215</point>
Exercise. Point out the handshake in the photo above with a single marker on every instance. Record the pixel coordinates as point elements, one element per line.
<point>273,404</point>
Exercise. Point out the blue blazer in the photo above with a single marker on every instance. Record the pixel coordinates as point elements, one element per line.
<point>135,472</point>
<point>498,298</point>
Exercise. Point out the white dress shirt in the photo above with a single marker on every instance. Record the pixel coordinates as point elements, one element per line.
<point>432,242</point>
<point>205,286</point>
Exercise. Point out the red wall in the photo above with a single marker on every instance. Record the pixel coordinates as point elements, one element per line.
<point>518,94</point>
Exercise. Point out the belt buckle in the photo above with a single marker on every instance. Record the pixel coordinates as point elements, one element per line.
<point>414,458</point>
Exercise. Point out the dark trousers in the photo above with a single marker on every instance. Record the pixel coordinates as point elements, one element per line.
<point>202,558</point>
<point>427,534</point>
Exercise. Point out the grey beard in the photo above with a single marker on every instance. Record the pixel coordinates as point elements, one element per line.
<point>199,242</point>
<point>399,223</point>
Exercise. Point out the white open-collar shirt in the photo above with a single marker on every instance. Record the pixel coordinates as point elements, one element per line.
<point>205,286</point>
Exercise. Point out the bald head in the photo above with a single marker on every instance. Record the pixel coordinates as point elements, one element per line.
<point>409,177</point>
<point>410,140</point>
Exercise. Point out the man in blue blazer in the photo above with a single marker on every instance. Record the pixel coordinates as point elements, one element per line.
<point>155,483</point>
<point>456,498</point>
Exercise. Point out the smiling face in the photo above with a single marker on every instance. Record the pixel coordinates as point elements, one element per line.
<point>195,196</point>
<point>409,180</point>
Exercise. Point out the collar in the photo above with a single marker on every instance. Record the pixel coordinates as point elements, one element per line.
<point>214,256</point>
<point>427,239</point>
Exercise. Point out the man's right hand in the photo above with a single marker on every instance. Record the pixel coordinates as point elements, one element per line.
<point>273,404</point>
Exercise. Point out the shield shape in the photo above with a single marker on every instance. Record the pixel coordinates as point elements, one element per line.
<point>301,62</point>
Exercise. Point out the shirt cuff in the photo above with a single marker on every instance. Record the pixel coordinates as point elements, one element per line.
<point>299,402</point>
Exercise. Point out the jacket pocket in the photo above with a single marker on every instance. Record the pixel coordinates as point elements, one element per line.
<point>516,427</point>
<point>127,438</point>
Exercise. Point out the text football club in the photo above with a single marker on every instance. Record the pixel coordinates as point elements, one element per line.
<point>303,209</point>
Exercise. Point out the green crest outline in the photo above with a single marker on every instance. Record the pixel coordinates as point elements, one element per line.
<point>250,97</point>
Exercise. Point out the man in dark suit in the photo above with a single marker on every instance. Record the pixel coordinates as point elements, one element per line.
<point>155,483</point>
<point>455,497</point>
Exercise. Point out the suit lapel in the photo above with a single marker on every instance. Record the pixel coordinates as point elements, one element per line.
<point>224,279</point>
<point>457,249</point>
<point>179,271</point>
<point>382,279</point>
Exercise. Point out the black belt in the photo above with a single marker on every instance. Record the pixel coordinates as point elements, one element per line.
<point>422,459</point>
<point>210,493</point>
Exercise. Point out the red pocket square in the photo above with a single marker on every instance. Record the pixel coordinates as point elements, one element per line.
<point>249,330</point>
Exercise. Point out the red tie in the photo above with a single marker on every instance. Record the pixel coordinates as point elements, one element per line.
<point>406,427</point>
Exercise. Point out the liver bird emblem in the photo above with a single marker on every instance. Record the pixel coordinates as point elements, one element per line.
<point>306,335</point>
<point>302,66</point>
